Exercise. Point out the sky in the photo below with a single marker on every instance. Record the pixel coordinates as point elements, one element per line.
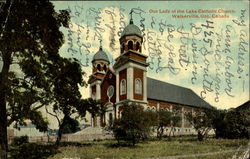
<point>202,45</point>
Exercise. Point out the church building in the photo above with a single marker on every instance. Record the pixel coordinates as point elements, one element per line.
<point>127,81</point>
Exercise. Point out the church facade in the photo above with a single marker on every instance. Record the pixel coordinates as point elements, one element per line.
<point>127,81</point>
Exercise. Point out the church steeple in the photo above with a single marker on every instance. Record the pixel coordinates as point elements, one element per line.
<point>100,64</point>
<point>131,65</point>
<point>131,37</point>
<point>100,61</point>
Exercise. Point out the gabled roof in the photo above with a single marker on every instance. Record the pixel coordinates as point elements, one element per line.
<point>167,92</point>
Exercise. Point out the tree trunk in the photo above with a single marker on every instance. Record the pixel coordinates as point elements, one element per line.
<point>200,136</point>
<point>160,132</point>
<point>59,134</point>
<point>3,117</point>
<point>3,127</point>
<point>3,110</point>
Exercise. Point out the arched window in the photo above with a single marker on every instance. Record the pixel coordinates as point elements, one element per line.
<point>98,67</point>
<point>123,87</point>
<point>130,45</point>
<point>138,86</point>
<point>105,68</point>
<point>137,46</point>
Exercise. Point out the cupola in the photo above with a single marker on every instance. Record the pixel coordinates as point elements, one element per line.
<point>131,38</point>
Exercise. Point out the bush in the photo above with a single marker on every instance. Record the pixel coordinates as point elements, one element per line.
<point>33,151</point>
<point>133,125</point>
<point>70,125</point>
<point>20,140</point>
<point>202,121</point>
<point>233,124</point>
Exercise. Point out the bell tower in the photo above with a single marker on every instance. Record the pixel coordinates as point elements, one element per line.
<point>100,65</point>
<point>131,67</point>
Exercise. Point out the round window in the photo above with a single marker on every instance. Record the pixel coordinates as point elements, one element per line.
<point>110,91</point>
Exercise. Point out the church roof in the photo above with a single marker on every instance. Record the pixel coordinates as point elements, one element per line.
<point>167,92</point>
<point>100,55</point>
<point>131,29</point>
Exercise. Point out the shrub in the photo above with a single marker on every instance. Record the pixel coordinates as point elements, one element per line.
<point>33,151</point>
<point>202,121</point>
<point>133,125</point>
<point>233,124</point>
<point>20,140</point>
<point>70,125</point>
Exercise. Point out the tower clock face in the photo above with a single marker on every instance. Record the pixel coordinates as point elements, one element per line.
<point>110,91</point>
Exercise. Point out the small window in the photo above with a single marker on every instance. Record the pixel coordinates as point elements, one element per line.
<point>105,68</point>
<point>123,87</point>
<point>130,45</point>
<point>99,67</point>
<point>137,46</point>
<point>138,86</point>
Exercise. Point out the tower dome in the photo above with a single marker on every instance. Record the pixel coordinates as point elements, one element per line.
<point>100,55</point>
<point>131,29</point>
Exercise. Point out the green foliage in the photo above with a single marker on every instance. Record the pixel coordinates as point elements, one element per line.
<point>94,107</point>
<point>233,124</point>
<point>165,118</point>
<point>20,140</point>
<point>202,121</point>
<point>29,53</point>
<point>33,73</point>
<point>70,126</point>
<point>38,120</point>
<point>133,125</point>
<point>33,151</point>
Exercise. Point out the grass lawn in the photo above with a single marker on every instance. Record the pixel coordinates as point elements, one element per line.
<point>177,146</point>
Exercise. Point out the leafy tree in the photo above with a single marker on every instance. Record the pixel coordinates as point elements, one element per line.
<point>202,121</point>
<point>233,124</point>
<point>94,107</point>
<point>32,73</point>
<point>165,118</point>
<point>219,124</point>
<point>70,126</point>
<point>65,96</point>
<point>133,125</point>
<point>175,120</point>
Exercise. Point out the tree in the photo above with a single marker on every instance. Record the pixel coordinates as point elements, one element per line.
<point>94,107</point>
<point>233,124</point>
<point>165,118</point>
<point>65,96</point>
<point>70,126</point>
<point>133,125</point>
<point>219,124</point>
<point>31,67</point>
<point>202,121</point>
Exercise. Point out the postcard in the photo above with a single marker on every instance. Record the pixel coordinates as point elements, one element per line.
<point>96,79</point>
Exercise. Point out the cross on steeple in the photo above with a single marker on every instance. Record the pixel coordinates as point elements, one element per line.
<point>100,40</point>
<point>131,17</point>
